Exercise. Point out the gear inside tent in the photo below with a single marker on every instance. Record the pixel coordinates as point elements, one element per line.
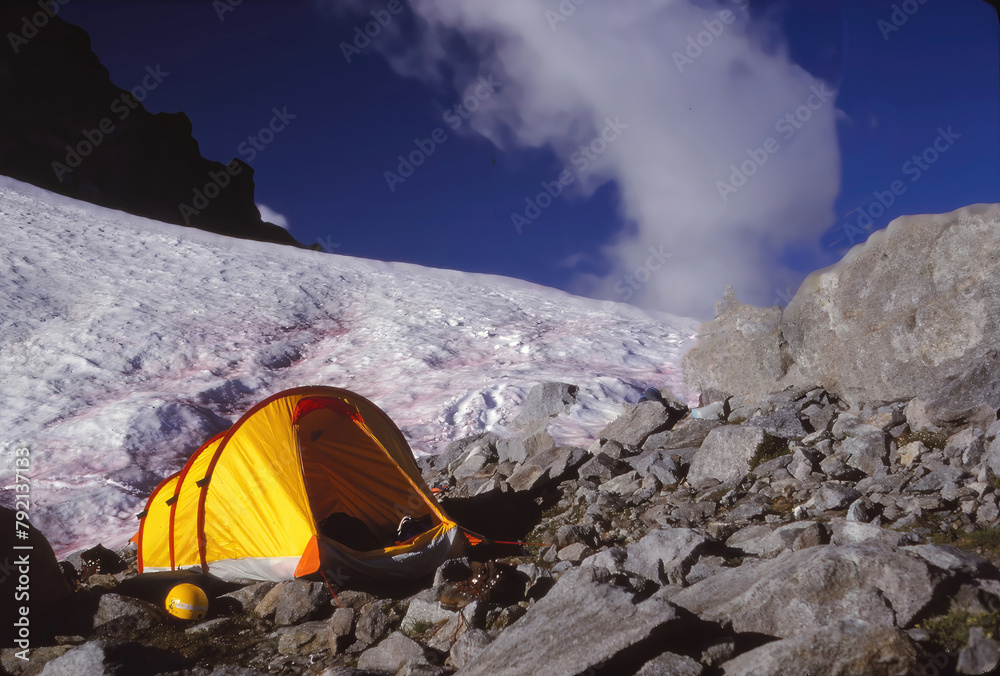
<point>310,479</point>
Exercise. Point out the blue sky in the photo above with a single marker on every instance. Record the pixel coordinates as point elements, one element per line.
<point>902,86</point>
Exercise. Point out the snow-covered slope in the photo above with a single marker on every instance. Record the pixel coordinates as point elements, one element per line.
<point>126,342</point>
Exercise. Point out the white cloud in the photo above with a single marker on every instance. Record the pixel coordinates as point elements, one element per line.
<point>271,216</point>
<point>692,111</point>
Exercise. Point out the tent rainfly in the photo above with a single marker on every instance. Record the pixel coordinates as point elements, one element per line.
<point>283,493</point>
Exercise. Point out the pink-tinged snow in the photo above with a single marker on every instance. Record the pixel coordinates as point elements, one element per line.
<point>127,342</point>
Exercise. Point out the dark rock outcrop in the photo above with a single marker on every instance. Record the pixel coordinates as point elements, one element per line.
<point>65,127</point>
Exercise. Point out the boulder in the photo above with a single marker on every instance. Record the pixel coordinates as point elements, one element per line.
<point>299,600</point>
<point>391,654</point>
<point>568,628</point>
<point>303,638</point>
<point>834,496</point>
<point>665,555</point>
<point>669,664</point>
<point>741,351</point>
<point>86,659</point>
<point>814,588</point>
<point>688,433</point>
<point>847,646</point>
<point>767,541</point>
<point>339,628</point>
<point>726,455</point>
<point>973,396</point>
<point>468,647</point>
<point>980,655</point>
<point>867,452</point>
<point>524,445</point>
<point>116,614</point>
<point>903,313</point>
<point>375,620</point>
<point>634,427</point>
<point>783,423</point>
<point>544,401</point>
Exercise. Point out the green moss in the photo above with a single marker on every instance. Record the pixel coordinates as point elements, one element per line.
<point>930,439</point>
<point>951,631</point>
<point>982,540</point>
<point>419,628</point>
<point>773,447</point>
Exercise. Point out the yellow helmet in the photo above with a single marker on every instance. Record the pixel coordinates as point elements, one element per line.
<point>187,602</point>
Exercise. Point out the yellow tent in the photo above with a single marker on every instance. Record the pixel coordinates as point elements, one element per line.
<point>251,503</point>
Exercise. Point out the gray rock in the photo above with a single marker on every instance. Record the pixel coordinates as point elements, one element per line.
<point>299,600</point>
<point>867,452</point>
<point>468,647</point>
<point>902,313</point>
<point>544,401</point>
<point>574,553</point>
<point>528,478</point>
<point>87,659</point>
<point>250,596</point>
<point>38,657</point>
<point>851,425</point>
<point>475,461</point>
<point>974,395</point>
<point>638,423</point>
<point>116,614</point>
<point>767,541</point>
<point>392,653</point>
<point>657,463</point>
<point>835,467</point>
<point>939,477</point>
<point>669,664</point>
<point>623,485</point>
<point>375,620</point>
<point>564,628</point>
<point>980,655</point>
<point>847,646</point>
<point>741,351</point>
<point>304,638</point>
<point>339,628</point>
<point>559,461</point>
<point>834,496</point>
<point>860,511</point>
<point>665,555</point>
<point>602,467</point>
<point>725,455</point>
<point>522,446</point>
<point>782,423</point>
<point>426,612</point>
<point>689,433</point>
<point>955,560</point>
<point>793,594</point>
<point>845,532</point>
